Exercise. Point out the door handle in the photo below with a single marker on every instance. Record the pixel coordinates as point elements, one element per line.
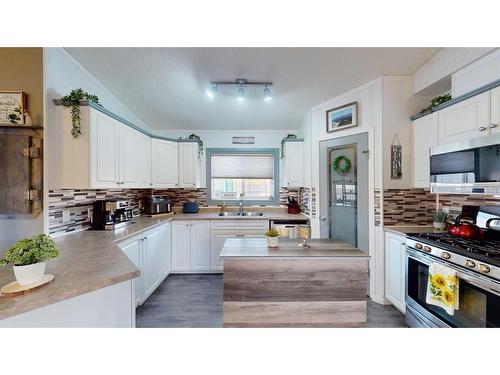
<point>322,218</point>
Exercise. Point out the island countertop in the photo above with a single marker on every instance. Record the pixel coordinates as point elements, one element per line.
<point>257,247</point>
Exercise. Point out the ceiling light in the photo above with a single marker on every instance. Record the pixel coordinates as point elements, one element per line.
<point>241,93</point>
<point>267,94</point>
<point>212,91</point>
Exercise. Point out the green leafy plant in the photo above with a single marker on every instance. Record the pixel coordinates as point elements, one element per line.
<point>440,216</point>
<point>342,164</point>
<point>438,100</point>
<point>197,139</point>
<point>272,233</point>
<point>283,141</point>
<point>32,250</point>
<point>73,100</point>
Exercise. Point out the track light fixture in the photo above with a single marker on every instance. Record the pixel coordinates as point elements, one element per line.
<point>241,93</point>
<point>241,83</point>
<point>212,91</point>
<point>267,94</point>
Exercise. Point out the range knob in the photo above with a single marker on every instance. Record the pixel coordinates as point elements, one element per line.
<point>418,246</point>
<point>427,249</point>
<point>470,263</point>
<point>445,255</point>
<point>484,268</point>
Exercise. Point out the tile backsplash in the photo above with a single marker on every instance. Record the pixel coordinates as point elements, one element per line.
<point>415,206</point>
<point>78,203</point>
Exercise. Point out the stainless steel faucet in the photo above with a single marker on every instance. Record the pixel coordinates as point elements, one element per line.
<point>241,203</point>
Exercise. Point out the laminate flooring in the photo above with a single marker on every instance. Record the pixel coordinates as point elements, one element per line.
<point>196,301</point>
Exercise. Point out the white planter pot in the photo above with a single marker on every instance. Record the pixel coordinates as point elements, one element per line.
<point>272,241</point>
<point>29,274</point>
<point>441,226</point>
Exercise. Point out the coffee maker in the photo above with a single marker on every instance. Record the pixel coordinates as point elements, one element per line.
<point>111,214</point>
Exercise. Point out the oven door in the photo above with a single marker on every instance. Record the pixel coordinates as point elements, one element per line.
<point>479,296</point>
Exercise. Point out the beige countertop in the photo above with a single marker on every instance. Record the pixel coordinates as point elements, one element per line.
<point>91,260</point>
<point>404,230</point>
<point>257,247</point>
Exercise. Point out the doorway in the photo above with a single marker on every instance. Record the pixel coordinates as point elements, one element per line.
<point>344,190</point>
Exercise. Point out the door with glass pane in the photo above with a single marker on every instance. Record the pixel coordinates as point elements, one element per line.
<point>344,190</point>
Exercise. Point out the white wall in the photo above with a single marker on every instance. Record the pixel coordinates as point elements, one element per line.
<point>223,139</point>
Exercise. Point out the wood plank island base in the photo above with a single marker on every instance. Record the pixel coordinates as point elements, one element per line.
<point>323,286</point>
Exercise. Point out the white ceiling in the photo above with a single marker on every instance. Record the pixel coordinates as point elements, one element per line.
<point>166,87</point>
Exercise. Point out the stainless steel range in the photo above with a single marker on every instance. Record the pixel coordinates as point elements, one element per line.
<point>477,263</point>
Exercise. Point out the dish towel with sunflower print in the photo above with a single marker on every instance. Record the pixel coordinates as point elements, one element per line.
<point>442,288</point>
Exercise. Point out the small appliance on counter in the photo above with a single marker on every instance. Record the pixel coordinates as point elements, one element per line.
<point>157,204</point>
<point>190,207</point>
<point>287,228</point>
<point>293,206</point>
<point>111,214</point>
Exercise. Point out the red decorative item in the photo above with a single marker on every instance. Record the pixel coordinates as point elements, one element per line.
<point>293,206</point>
<point>465,230</point>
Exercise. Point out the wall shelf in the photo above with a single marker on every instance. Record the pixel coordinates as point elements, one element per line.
<point>8,126</point>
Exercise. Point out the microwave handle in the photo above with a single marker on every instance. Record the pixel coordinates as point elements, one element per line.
<point>489,221</point>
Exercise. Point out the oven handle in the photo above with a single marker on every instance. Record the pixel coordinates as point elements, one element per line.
<point>462,273</point>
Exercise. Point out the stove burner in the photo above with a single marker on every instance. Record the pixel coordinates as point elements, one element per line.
<point>486,249</point>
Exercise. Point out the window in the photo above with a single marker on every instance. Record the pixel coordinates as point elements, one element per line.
<point>251,175</point>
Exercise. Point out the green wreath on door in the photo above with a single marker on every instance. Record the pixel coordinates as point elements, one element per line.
<point>342,164</point>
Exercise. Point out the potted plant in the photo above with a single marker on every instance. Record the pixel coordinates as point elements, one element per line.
<point>440,218</point>
<point>272,237</point>
<point>29,258</point>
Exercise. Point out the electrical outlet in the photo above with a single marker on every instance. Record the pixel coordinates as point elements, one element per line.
<point>66,216</point>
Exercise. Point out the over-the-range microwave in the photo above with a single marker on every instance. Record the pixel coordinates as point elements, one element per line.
<point>468,167</point>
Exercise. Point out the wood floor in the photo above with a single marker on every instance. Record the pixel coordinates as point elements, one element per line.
<point>196,301</point>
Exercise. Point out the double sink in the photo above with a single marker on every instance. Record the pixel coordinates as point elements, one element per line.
<point>244,213</point>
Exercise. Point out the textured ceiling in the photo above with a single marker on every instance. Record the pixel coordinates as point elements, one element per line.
<point>166,87</point>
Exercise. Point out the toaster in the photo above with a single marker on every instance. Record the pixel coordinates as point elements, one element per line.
<point>157,204</point>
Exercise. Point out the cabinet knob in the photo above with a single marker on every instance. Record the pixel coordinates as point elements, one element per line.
<point>493,126</point>
<point>482,129</point>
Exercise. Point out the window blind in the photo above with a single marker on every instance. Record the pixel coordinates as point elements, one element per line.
<point>242,166</point>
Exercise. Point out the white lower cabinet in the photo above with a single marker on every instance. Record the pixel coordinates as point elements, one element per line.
<point>151,253</point>
<point>395,278</point>
<point>191,246</point>
<point>221,230</point>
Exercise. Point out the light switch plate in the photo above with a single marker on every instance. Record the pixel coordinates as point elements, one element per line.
<point>66,216</point>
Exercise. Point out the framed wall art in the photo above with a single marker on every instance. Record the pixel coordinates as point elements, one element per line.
<point>12,107</point>
<point>342,117</point>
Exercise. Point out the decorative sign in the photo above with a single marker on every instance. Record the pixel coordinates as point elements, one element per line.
<point>12,107</point>
<point>243,140</point>
<point>396,159</point>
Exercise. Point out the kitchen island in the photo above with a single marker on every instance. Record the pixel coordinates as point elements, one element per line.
<point>323,286</point>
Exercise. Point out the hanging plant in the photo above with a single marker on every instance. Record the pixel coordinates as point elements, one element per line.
<point>197,139</point>
<point>283,141</point>
<point>342,164</point>
<point>73,100</point>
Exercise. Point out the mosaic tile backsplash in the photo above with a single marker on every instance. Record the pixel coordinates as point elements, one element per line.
<point>79,203</point>
<point>415,206</point>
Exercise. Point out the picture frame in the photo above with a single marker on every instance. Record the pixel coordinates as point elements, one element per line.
<point>343,117</point>
<point>12,107</point>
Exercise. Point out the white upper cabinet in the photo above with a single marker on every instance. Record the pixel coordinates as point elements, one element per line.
<point>292,165</point>
<point>465,120</point>
<point>165,164</point>
<point>425,136</point>
<point>135,158</point>
<point>189,165</point>
<point>495,111</point>
<point>104,152</point>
